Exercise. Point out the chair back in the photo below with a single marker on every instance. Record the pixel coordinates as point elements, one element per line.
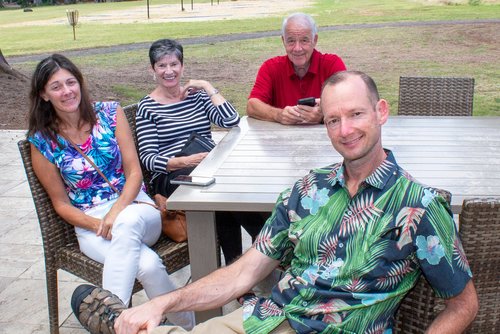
<point>130,112</point>
<point>56,233</point>
<point>434,96</point>
<point>480,233</point>
<point>60,244</point>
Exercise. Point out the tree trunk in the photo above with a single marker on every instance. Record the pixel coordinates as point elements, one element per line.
<point>6,68</point>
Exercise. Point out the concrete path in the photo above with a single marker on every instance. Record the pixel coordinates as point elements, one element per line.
<point>23,299</point>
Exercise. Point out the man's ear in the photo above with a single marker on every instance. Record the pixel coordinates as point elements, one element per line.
<point>382,109</point>
<point>315,40</point>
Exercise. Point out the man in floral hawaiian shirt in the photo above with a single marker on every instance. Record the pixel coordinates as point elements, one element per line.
<point>354,237</point>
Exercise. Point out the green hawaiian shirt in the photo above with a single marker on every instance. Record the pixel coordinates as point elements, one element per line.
<point>350,261</point>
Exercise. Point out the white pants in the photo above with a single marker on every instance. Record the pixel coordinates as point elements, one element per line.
<point>127,255</point>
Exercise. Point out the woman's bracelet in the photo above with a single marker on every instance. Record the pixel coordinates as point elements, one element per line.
<point>215,92</point>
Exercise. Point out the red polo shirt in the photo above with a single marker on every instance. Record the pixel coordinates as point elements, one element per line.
<point>278,85</point>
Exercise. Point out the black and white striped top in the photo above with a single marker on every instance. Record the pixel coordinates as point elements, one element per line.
<point>163,129</point>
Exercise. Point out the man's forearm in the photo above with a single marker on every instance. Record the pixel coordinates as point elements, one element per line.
<point>221,286</point>
<point>207,293</point>
<point>263,111</point>
<point>460,311</point>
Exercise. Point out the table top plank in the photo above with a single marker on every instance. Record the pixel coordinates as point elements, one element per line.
<point>253,163</point>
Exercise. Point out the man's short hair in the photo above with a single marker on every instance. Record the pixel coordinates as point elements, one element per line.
<point>339,77</point>
<point>304,19</point>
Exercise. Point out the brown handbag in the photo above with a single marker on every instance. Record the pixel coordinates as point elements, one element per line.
<point>173,222</point>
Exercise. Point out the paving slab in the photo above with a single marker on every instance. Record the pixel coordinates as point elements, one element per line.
<point>23,297</point>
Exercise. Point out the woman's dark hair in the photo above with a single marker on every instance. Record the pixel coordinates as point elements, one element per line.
<point>42,116</point>
<point>163,47</point>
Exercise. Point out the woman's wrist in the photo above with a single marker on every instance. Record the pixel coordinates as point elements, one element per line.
<point>213,92</point>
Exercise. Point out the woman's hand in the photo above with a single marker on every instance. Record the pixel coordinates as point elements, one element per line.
<point>106,225</point>
<point>195,85</point>
<point>183,162</point>
<point>51,180</point>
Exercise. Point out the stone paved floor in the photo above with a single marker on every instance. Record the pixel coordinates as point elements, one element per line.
<point>23,301</point>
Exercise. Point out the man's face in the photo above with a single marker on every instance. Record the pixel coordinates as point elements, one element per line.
<point>299,43</point>
<point>353,122</point>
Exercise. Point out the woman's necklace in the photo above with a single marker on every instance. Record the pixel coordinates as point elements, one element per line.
<point>79,136</point>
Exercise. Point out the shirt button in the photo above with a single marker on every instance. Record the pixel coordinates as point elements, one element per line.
<point>304,304</point>
<point>349,213</point>
<point>341,245</point>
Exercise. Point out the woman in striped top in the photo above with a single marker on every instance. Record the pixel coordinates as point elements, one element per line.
<point>166,118</point>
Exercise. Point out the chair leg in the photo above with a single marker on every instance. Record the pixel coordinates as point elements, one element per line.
<point>52,299</point>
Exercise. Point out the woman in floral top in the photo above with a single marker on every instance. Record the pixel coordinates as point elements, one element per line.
<point>110,227</point>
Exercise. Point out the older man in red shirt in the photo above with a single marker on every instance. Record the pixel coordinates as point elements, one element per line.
<point>283,80</point>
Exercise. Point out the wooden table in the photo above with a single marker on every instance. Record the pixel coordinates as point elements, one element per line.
<point>255,162</point>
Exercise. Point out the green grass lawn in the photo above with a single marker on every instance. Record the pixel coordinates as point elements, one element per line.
<point>36,38</point>
<point>384,53</point>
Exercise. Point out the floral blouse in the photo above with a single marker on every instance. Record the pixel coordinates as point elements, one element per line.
<point>351,260</point>
<point>85,187</point>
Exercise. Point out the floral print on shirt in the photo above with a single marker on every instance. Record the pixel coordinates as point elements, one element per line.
<point>350,261</point>
<point>85,187</point>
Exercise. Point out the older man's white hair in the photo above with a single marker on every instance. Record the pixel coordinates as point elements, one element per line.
<point>302,19</point>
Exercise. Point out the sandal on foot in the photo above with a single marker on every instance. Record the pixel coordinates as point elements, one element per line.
<point>96,308</point>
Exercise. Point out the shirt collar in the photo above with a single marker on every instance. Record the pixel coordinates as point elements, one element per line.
<point>378,179</point>
<point>313,66</point>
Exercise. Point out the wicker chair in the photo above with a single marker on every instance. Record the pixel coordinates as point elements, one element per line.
<point>431,96</point>
<point>61,246</point>
<point>480,232</point>
<point>130,112</point>
<point>418,309</point>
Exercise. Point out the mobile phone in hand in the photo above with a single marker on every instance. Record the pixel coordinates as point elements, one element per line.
<point>202,181</point>
<point>308,101</point>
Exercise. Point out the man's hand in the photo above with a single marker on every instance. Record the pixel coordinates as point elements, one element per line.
<point>311,115</point>
<point>143,317</point>
<point>300,114</point>
<point>289,115</point>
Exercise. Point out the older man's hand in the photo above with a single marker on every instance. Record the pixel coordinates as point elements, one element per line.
<point>300,115</point>
<point>310,115</point>
<point>289,115</point>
